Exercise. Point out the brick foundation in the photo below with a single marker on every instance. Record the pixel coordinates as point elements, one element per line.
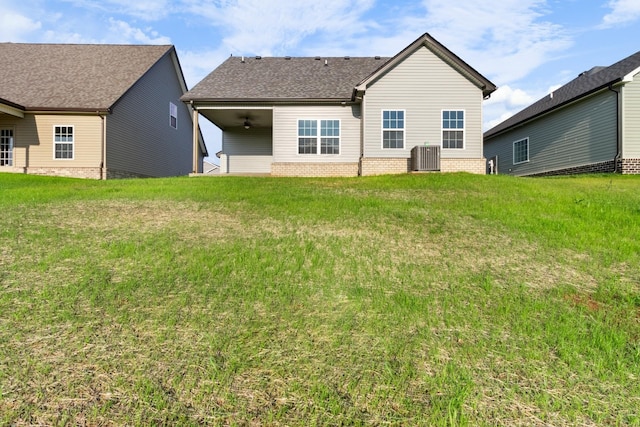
<point>314,169</point>
<point>476,166</point>
<point>630,166</point>
<point>602,167</point>
<point>384,166</point>
<point>90,173</point>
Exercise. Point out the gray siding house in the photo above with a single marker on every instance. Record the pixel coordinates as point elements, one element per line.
<point>95,111</point>
<point>345,116</point>
<point>591,124</point>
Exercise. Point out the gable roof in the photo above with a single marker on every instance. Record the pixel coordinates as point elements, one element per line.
<point>585,84</point>
<point>284,78</point>
<point>72,77</point>
<point>440,51</point>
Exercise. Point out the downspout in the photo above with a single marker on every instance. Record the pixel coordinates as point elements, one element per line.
<point>618,125</point>
<point>103,163</point>
<point>362,130</point>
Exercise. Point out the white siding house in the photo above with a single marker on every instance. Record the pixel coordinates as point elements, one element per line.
<point>345,116</point>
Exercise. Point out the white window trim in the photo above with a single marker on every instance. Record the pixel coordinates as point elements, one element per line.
<point>173,107</point>
<point>73,143</point>
<point>318,138</point>
<point>12,145</point>
<point>464,129</point>
<point>514,151</point>
<point>404,129</point>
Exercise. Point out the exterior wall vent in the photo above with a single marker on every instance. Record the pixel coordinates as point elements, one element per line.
<point>425,158</point>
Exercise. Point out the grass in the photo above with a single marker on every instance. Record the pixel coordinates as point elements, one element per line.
<point>439,300</point>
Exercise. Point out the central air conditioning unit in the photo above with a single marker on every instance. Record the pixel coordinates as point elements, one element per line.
<point>425,158</point>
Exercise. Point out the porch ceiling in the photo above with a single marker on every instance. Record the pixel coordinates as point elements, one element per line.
<point>235,117</point>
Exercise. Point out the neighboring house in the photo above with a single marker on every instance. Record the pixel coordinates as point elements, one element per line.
<point>591,124</point>
<point>95,111</point>
<point>345,116</point>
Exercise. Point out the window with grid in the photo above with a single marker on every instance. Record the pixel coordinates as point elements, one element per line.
<point>521,151</point>
<point>173,115</point>
<point>63,142</point>
<point>312,142</point>
<point>6,147</point>
<point>329,137</point>
<point>452,129</point>
<point>393,129</point>
<point>307,137</point>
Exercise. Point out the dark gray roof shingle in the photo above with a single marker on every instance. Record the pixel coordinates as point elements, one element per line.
<point>284,78</point>
<point>586,83</point>
<point>72,77</point>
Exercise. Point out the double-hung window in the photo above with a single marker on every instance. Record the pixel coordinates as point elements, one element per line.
<point>6,147</point>
<point>63,142</point>
<point>521,151</point>
<point>452,129</point>
<point>173,115</point>
<point>393,128</point>
<point>326,141</point>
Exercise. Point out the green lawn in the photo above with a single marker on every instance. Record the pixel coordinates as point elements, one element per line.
<point>435,299</point>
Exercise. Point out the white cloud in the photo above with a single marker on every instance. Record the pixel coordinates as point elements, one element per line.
<point>504,40</point>
<point>510,97</point>
<point>197,65</point>
<point>622,12</point>
<point>16,27</point>
<point>148,10</point>
<point>270,28</point>
<point>123,32</point>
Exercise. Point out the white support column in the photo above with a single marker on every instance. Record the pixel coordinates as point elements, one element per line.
<point>195,140</point>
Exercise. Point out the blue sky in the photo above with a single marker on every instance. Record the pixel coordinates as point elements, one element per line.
<point>525,47</point>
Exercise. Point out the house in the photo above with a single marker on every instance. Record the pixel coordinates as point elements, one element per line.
<point>95,111</point>
<point>345,116</point>
<point>591,124</point>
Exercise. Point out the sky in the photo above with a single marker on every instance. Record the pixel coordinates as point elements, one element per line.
<point>525,47</point>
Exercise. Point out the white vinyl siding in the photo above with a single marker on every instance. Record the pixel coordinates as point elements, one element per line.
<point>631,119</point>
<point>286,133</point>
<point>246,150</point>
<point>423,85</point>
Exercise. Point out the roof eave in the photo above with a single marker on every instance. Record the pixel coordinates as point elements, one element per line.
<point>440,50</point>
<point>612,83</point>
<point>98,110</point>
<point>11,108</point>
<point>196,101</point>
